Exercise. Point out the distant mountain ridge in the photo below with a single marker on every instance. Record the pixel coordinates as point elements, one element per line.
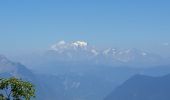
<point>68,86</point>
<point>83,51</point>
<point>12,69</point>
<point>9,68</point>
<point>141,87</point>
<point>74,81</point>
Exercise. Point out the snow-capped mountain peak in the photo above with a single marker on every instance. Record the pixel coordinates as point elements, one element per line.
<point>62,45</point>
<point>74,49</point>
<point>109,51</point>
<point>58,46</point>
<point>82,50</point>
<point>80,44</point>
<point>61,42</point>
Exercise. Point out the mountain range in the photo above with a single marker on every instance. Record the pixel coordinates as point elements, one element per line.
<point>64,57</point>
<point>79,71</point>
<point>83,51</point>
<point>89,83</point>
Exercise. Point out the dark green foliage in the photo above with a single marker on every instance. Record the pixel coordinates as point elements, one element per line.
<point>16,89</point>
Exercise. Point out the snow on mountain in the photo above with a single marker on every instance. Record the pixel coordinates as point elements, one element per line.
<point>81,44</point>
<point>74,49</point>
<point>110,51</point>
<point>130,56</point>
<point>81,50</point>
<point>62,45</point>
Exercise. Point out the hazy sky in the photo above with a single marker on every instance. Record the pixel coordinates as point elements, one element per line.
<point>28,25</point>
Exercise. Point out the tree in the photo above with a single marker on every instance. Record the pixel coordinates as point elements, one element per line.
<point>2,97</point>
<point>16,89</point>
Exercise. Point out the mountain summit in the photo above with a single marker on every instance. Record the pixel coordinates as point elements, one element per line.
<point>80,44</point>
<point>81,50</point>
<point>73,50</point>
<point>70,45</point>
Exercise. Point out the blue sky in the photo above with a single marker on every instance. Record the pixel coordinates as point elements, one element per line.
<point>32,25</point>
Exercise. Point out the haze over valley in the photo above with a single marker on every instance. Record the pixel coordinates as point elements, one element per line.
<point>86,49</point>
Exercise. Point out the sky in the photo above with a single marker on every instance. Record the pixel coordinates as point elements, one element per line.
<point>33,25</point>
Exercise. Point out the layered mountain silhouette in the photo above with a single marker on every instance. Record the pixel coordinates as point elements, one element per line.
<point>9,68</point>
<point>141,87</point>
<point>43,83</point>
<point>74,81</point>
<point>66,86</point>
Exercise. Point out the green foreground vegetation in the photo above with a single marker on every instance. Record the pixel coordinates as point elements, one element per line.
<point>16,89</point>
